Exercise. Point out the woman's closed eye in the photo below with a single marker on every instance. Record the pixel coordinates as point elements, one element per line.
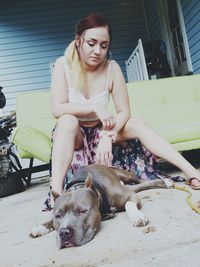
<point>103,46</point>
<point>91,43</point>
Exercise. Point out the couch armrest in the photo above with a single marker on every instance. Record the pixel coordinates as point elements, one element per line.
<point>32,143</point>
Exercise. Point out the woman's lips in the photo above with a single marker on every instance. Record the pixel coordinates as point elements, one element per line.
<point>95,58</point>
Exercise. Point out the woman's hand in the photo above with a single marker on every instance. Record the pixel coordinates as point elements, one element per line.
<point>106,118</point>
<point>104,151</point>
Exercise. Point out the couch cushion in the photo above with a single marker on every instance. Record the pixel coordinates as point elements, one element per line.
<point>166,101</point>
<point>159,115</point>
<point>35,123</point>
<point>34,110</point>
<point>165,90</point>
<point>33,105</point>
<point>181,132</point>
<point>187,145</point>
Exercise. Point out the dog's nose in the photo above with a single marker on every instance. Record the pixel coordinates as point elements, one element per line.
<point>66,233</point>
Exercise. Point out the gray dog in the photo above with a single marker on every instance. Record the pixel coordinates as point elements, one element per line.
<point>94,194</point>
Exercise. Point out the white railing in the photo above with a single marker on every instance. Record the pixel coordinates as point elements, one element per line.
<point>136,67</point>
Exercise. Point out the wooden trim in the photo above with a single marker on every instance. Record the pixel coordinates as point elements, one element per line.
<point>185,40</point>
<point>165,32</point>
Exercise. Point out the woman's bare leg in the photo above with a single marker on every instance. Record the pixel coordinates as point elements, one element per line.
<point>66,138</point>
<point>135,128</point>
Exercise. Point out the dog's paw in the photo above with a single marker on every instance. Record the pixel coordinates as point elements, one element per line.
<point>38,231</point>
<point>136,217</point>
<point>140,220</point>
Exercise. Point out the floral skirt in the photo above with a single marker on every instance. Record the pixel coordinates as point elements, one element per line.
<point>129,155</point>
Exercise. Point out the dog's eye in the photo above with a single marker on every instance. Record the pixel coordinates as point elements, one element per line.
<point>81,211</point>
<point>58,216</point>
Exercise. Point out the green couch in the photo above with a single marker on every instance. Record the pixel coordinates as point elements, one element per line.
<point>171,106</point>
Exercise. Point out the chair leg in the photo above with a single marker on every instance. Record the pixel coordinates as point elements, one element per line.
<point>28,178</point>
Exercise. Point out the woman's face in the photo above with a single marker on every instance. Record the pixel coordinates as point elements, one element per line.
<point>93,46</point>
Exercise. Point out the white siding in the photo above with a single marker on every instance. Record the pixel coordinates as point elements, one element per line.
<point>191,13</point>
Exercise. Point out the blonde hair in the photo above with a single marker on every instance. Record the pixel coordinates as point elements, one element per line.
<point>71,53</point>
<point>73,61</point>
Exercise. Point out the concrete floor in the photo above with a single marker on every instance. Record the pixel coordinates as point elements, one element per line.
<point>174,243</point>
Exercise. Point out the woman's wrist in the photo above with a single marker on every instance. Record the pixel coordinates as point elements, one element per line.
<point>110,134</point>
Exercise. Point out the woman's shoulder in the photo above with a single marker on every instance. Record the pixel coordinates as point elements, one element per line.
<point>59,60</point>
<point>115,69</point>
<point>115,65</point>
<point>61,63</point>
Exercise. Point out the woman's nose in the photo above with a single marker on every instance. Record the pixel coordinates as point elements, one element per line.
<point>97,49</point>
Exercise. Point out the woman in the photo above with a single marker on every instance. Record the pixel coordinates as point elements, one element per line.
<point>82,82</point>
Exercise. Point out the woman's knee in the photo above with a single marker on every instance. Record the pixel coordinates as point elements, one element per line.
<point>67,124</point>
<point>137,125</point>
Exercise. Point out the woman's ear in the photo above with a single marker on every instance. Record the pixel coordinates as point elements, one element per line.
<point>77,41</point>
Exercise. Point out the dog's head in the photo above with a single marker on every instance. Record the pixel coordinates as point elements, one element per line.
<point>76,215</point>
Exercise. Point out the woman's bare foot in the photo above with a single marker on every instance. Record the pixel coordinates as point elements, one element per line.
<point>194,183</point>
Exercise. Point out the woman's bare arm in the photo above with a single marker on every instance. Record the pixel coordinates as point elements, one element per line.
<point>120,97</point>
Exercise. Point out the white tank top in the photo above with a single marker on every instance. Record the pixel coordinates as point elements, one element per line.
<point>76,97</point>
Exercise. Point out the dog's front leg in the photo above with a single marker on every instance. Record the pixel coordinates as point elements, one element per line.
<point>132,206</point>
<point>42,229</point>
<point>136,217</point>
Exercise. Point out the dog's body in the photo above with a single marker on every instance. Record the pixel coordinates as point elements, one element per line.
<point>95,191</point>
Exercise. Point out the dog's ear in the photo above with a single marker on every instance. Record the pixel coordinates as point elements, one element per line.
<point>88,181</point>
<point>54,195</point>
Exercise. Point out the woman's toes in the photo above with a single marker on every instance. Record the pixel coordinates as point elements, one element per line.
<point>195,182</point>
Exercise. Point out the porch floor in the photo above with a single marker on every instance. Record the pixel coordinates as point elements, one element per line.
<point>174,243</point>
